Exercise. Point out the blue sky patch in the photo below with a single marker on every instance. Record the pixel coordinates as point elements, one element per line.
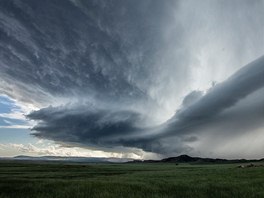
<point>8,106</point>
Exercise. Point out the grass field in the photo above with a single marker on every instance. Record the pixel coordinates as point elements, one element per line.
<point>129,180</point>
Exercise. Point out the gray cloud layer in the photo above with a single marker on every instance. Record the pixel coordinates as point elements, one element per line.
<point>113,72</point>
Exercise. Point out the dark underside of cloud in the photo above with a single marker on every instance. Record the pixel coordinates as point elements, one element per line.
<point>104,128</point>
<point>105,74</point>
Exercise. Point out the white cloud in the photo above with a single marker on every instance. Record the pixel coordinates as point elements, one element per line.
<point>47,148</point>
<point>13,115</point>
<point>15,127</point>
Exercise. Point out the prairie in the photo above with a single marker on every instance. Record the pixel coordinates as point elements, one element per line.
<point>60,180</point>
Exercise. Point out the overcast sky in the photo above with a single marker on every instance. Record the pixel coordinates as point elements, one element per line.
<point>132,78</point>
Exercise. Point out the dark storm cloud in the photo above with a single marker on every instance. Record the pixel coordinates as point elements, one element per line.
<point>85,125</point>
<point>99,128</point>
<point>112,71</point>
<point>90,126</point>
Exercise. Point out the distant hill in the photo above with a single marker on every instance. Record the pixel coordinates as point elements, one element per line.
<point>189,159</point>
<point>176,160</point>
<point>72,159</point>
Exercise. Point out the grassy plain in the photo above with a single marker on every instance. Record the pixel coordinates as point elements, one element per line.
<point>58,180</point>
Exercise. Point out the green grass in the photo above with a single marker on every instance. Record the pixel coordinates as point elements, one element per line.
<point>40,180</point>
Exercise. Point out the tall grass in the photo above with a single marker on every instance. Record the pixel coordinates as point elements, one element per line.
<point>129,180</point>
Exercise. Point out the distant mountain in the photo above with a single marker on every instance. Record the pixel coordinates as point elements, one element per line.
<point>189,159</point>
<point>73,159</point>
<point>176,160</point>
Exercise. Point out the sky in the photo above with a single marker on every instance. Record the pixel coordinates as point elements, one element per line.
<point>132,79</point>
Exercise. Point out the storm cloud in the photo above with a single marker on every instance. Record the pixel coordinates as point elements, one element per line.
<point>94,127</point>
<point>161,76</point>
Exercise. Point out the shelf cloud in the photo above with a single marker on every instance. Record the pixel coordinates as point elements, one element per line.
<point>91,126</point>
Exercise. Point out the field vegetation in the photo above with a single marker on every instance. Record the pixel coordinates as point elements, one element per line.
<point>137,180</point>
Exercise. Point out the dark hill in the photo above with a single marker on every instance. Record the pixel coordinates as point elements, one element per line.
<point>189,159</point>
